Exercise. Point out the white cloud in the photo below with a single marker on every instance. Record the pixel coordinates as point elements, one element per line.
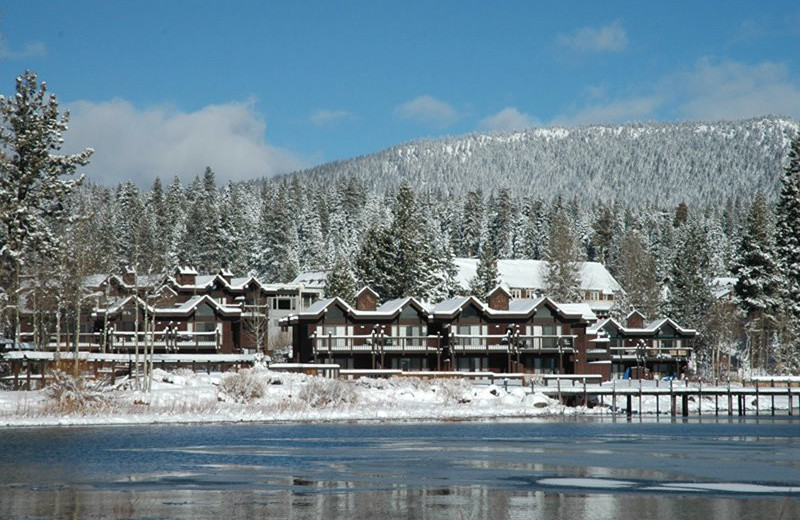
<point>611,38</point>
<point>428,110</point>
<point>613,111</point>
<point>711,90</point>
<point>30,50</point>
<point>730,90</point>
<point>138,145</point>
<point>508,119</point>
<point>325,116</point>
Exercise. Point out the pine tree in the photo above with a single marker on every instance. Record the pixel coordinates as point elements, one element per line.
<point>690,295</point>
<point>407,252</point>
<point>486,276</point>
<point>471,226</point>
<point>340,280</point>
<point>501,219</point>
<point>758,283</point>
<point>637,274</point>
<point>275,259</point>
<point>562,276</point>
<point>373,266</point>
<point>788,228</point>
<point>787,238</point>
<point>203,227</point>
<point>32,184</point>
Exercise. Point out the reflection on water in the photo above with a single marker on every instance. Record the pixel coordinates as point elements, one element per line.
<point>562,469</point>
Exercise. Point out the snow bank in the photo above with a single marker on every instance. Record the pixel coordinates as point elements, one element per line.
<point>261,395</point>
<point>258,395</point>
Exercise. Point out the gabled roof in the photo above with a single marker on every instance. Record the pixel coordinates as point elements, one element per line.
<point>449,308</point>
<point>634,313</point>
<point>650,329</point>
<point>182,309</point>
<point>388,310</point>
<point>499,287</point>
<point>583,309</point>
<point>368,289</point>
<point>655,326</point>
<point>117,305</point>
<point>189,306</point>
<point>393,307</point>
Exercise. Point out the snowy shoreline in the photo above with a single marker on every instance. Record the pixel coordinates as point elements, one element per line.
<point>262,396</point>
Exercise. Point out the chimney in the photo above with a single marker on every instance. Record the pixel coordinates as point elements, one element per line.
<point>226,275</point>
<point>129,276</point>
<point>499,298</point>
<point>185,276</point>
<point>366,299</point>
<point>635,320</point>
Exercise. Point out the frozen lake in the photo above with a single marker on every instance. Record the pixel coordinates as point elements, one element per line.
<point>576,468</point>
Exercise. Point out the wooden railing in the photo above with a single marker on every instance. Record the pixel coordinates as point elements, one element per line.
<point>123,341</point>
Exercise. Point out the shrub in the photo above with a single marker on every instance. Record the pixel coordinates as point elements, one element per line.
<point>71,394</point>
<point>242,386</point>
<point>320,392</point>
<point>453,391</point>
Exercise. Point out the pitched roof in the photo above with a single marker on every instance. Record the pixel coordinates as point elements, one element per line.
<point>529,274</point>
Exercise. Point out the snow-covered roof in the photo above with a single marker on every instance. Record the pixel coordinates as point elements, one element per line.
<point>648,330</point>
<point>524,305</point>
<point>583,309</point>
<point>453,305</point>
<point>529,274</point>
<point>311,279</point>
<point>396,305</point>
<point>180,309</point>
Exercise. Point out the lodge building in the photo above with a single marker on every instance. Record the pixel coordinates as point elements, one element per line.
<point>528,335</point>
<point>186,312</point>
<point>183,312</point>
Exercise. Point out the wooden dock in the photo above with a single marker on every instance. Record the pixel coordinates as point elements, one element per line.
<point>681,399</point>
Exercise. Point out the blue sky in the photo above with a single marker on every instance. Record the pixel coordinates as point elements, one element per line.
<point>258,88</point>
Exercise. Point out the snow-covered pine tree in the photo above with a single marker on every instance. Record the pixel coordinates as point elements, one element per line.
<point>234,228</point>
<point>787,238</point>
<point>502,213</point>
<point>311,241</point>
<point>407,249</point>
<point>175,221</point>
<point>486,276</point>
<point>602,232</point>
<point>759,283</point>
<point>156,206</point>
<point>636,272</point>
<point>340,280</point>
<point>275,258</point>
<point>440,269</point>
<point>562,274</point>
<point>690,295</point>
<point>470,229</point>
<point>203,228</point>
<point>33,183</point>
<point>374,266</point>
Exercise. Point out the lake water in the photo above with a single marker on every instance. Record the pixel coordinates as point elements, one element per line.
<point>571,469</point>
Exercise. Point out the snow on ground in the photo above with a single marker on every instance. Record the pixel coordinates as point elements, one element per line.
<point>261,395</point>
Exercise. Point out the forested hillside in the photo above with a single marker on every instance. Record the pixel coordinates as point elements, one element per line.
<point>669,163</point>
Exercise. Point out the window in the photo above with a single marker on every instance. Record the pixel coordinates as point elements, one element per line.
<point>282,304</point>
<point>205,326</point>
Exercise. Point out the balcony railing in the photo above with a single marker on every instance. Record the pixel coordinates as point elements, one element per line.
<point>123,341</point>
<point>553,343</point>
<point>324,344</point>
<point>458,343</point>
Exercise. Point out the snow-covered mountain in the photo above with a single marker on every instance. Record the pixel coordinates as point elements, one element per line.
<point>653,162</point>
